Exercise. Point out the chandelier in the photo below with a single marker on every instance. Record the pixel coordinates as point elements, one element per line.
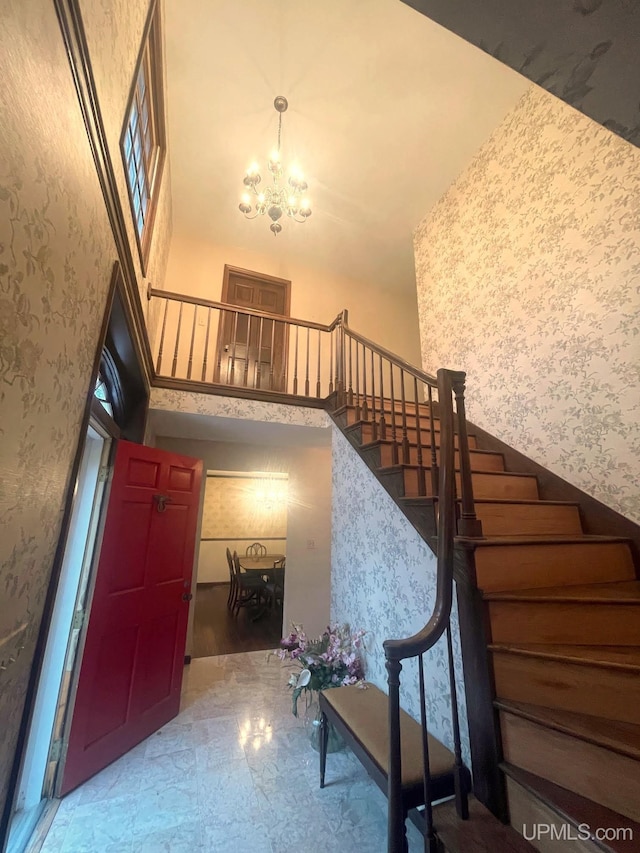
<point>279,198</point>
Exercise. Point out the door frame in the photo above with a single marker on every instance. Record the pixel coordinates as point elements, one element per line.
<point>259,278</point>
<point>117,323</point>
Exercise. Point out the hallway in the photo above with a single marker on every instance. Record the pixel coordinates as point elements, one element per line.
<point>233,772</point>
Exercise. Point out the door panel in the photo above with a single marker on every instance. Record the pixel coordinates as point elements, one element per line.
<point>131,672</point>
<point>252,351</point>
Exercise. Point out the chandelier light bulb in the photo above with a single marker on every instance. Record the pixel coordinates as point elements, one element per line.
<point>276,199</point>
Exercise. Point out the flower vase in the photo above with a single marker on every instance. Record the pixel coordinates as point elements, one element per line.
<point>335,743</point>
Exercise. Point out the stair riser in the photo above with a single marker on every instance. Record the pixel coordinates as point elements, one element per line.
<point>501,568</point>
<point>354,416</point>
<point>367,434</point>
<point>579,623</point>
<point>608,693</point>
<point>600,775</point>
<point>485,485</point>
<point>526,812</point>
<point>528,519</point>
<point>479,461</point>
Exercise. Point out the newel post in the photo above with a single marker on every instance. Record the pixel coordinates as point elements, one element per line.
<point>469,525</point>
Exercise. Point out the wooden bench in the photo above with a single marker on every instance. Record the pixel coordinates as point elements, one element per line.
<point>361,716</point>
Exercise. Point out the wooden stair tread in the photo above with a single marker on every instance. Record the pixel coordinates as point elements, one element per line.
<point>544,539</point>
<point>402,466</point>
<point>575,809</point>
<point>618,592</point>
<point>610,657</point>
<point>482,833</point>
<point>503,501</point>
<point>611,734</point>
<point>414,444</point>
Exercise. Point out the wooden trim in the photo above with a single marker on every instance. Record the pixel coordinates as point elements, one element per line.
<point>226,306</point>
<point>102,416</point>
<point>74,37</point>
<point>597,518</point>
<point>238,391</point>
<point>152,38</point>
<point>242,539</point>
<point>260,278</point>
<point>38,657</point>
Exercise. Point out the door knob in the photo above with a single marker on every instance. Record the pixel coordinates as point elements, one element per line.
<point>187,596</point>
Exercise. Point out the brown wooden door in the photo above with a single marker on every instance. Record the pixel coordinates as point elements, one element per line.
<point>131,672</point>
<point>252,351</point>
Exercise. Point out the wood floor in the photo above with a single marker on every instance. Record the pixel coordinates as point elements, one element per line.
<point>217,632</point>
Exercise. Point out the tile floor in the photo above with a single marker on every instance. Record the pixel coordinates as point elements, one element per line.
<point>233,772</point>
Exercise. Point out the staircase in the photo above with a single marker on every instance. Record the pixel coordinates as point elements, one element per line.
<point>560,623</point>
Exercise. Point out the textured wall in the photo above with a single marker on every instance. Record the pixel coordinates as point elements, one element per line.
<point>528,275</point>
<point>56,260</point>
<point>56,257</point>
<point>584,51</point>
<point>114,31</point>
<point>383,580</point>
<point>234,407</point>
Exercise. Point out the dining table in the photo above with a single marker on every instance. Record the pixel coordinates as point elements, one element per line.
<point>263,565</point>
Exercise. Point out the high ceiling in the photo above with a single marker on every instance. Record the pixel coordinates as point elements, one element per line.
<point>385,109</point>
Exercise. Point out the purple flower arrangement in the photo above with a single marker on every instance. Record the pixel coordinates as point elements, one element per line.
<point>328,661</point>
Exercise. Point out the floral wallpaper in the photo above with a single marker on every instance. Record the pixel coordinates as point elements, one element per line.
<point>583,51</point>
<point>528,277</point>
<point>114,30</point>
<point>383,580</point>
<point>56,259</point>
<point>235,407</point>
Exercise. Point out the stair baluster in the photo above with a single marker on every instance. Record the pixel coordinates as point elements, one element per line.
<point>434,455</point>
<point>358,406</point>
<point>175,351</point>
<point>319,360</point>
<point>405,438</point>
<point>206,346</point>
<point>394,436</point>
<point>383,422</point>
<point>306,370</point>
<point>259,358</point>
<point>193,337</point>
<point>365,404</point>
<point>164,326</point>
<point>430,839</point>
<point>422,485</point>
<point>374,424</point>
<point>246,353</point>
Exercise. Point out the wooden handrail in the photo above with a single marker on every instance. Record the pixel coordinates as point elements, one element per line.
<point>251,312</point>
<point>397,650</point>
<point>392,357</point>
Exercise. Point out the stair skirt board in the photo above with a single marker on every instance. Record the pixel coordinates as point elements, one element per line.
<point>584,687</point>
<point>598,774</point>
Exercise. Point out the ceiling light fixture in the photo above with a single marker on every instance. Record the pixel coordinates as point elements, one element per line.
<point>278,199</point>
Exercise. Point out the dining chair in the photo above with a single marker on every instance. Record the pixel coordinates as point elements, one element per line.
<point>274,587</point>
<point>233,586</point>
<point>249,588</point>
<point>257,549</point>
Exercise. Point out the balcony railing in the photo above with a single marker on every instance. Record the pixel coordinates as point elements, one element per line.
<point>227,347</point>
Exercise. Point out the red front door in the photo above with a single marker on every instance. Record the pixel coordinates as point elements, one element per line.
<point>131,671</point>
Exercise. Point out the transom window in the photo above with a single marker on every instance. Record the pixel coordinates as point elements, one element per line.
<point>101,393</point>
<point>143,138</point>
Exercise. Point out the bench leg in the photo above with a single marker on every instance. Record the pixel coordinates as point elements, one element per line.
<point>324,739</point>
